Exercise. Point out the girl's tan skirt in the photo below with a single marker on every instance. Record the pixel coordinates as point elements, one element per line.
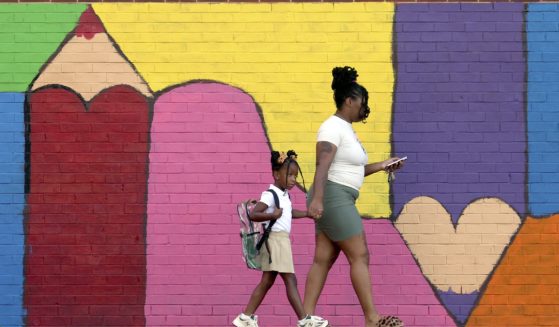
<point>282,258</point>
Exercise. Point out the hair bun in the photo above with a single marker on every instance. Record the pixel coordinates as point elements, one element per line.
<point>343,77</point>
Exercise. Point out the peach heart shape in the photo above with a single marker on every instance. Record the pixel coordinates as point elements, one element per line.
<point>458,259</point>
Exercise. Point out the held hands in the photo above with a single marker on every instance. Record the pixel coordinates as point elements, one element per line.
<point>315,209</point>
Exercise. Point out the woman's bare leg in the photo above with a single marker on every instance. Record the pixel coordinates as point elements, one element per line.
<point>325,254</point>
<point>357,253</point>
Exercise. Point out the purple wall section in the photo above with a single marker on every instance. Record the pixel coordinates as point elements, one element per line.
<point>459,104</point>
<point>459,110</point>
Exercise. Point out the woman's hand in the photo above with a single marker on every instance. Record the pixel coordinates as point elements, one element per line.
<point>315,209</point>
<point>386,165</point>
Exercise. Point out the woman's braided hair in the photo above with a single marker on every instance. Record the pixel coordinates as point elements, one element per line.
<point>345,86</point>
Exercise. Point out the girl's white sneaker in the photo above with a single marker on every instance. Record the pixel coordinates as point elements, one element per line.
<point>312,321</point>
<point>243,320</point>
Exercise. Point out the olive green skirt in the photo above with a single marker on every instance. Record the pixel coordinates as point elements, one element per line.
<point>340,219</point>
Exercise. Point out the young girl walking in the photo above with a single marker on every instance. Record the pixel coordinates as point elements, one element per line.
<point>275,256</point>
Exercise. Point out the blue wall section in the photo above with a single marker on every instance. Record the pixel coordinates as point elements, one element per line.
<point>542,31</point>
<point>12,200</point>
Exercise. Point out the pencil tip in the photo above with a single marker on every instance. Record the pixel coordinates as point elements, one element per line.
<point>89,24</point>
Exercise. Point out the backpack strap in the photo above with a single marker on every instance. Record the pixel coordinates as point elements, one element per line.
<point>268,229</point>
<point>276,201</point>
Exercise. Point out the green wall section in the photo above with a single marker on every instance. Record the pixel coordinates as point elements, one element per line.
<point>29,35</point>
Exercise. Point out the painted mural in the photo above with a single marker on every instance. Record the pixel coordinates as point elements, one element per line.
<point>131,131</point>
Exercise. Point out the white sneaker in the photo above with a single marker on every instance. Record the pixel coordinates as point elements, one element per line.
<point>243,320</point>
<point>312,321</point>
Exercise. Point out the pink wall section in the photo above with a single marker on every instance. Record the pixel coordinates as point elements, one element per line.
<point>196,275</point>
<point>209,151</point>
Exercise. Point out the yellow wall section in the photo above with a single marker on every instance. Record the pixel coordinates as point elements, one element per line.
<point>281,54</point>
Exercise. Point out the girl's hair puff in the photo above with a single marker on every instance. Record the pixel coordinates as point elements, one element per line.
<point>280,159</point>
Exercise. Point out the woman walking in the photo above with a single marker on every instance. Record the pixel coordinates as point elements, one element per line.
<point>341,167</point>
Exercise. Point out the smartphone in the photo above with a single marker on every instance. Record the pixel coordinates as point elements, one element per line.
<point>397,161</point>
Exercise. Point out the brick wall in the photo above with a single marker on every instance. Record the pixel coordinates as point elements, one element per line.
<point>131,131</point>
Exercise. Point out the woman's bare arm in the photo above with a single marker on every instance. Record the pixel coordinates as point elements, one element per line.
<point>325,152</point>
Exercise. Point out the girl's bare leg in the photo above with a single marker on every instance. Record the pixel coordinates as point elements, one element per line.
<point>267,281</point>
